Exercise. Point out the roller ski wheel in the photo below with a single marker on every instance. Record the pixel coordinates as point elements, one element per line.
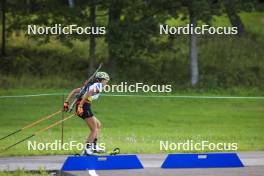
<point>114,152</point>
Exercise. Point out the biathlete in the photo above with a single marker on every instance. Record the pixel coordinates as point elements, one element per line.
<point>85,95</point>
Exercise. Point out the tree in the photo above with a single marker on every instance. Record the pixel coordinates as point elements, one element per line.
<point>114,14</point>
<point>194,10</point>
<point>233,7</point>
<point>71,3</point>
<point>3,46</point>
<point>92,44</point>
<point>233,16</point>
<point>193,55</point>
<point>131,25</point>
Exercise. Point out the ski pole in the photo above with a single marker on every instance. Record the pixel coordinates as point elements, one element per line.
<point>38,132</point>
<point>31,124</point>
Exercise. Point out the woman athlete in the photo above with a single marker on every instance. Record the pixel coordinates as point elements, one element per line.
<point>89,92</point>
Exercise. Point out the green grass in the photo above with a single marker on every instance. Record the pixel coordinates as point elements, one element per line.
<point>137,125</point>
<point>23,172</point>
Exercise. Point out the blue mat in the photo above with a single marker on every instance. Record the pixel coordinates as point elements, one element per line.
<point>74,163</point>
<point>206,160</point>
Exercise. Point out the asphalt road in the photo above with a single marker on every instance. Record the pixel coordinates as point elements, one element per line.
<point>254,162</point>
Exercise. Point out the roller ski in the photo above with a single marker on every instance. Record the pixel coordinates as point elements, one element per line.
<point>100,152</point>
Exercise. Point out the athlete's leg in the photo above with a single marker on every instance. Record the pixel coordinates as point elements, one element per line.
<point>97,148</point>
<point>99,125</point>
<point>91,122</point>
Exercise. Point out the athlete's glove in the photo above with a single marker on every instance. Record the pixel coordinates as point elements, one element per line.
<point>66,106</point>
<point>80,111</point>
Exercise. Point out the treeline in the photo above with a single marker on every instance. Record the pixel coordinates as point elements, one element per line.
<point>135,50</point>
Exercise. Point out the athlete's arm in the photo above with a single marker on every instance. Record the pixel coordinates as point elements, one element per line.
<point>74,91</point>
<point>66,103</point>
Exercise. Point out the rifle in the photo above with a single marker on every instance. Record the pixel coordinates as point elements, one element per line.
<point>88,81</point>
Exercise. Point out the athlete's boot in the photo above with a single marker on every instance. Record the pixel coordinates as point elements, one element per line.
<point>88,150</point>
<point>96,148</point>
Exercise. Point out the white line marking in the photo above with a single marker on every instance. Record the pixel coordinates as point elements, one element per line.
<point>92,173</point>
<point>34,95</point>
<point>183,96</point>
<point>144,96</point>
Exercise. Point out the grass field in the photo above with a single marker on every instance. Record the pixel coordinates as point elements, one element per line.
<point>138,124</point>
<point>25,173</point>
